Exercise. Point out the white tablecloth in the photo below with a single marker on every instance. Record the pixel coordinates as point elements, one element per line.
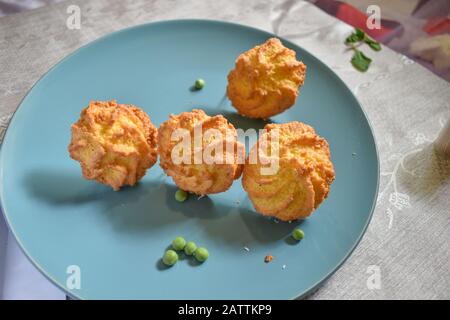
<point>407,245</point>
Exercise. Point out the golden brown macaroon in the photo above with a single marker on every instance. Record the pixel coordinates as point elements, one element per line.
<point>305,171</point>
<point>265,80</point>
<point>190,152</point>
<point>114,143</point>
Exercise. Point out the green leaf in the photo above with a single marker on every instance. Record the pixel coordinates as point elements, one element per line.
<point>356,36</point>
<point>352,39</point>
<point>360,61</point>
<point>373,44</point>
<point>359,33</point>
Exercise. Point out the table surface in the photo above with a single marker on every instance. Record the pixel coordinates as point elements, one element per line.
<point>405,253</point>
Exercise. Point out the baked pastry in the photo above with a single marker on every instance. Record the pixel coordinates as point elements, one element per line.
<point>191,146</point>
<point>114,143</point>
<point>265,80</point>
<point>300,176</point>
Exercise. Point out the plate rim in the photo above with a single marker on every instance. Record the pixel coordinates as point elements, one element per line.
<point>300,295</point>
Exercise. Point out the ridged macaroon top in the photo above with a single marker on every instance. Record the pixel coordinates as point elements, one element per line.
<point>305,171</point>
<point>208,176</point>
<point>265,80</point>
<point>114,143</point>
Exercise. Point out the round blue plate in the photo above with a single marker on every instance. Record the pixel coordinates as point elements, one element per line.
<point>116,239</point>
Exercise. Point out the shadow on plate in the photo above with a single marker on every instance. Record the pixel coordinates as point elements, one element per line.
<point>150,206</point>
<point>238,121</point>
<point>266,230</point>
<point>61,188</point>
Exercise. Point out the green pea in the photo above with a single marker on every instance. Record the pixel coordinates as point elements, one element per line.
<point>170,258</point>
<point>298,234</point>
<point>178,243</point>
<point>181,195</point>
<point>190,248</point>
<point>201,254</point>
<point>199,84</point>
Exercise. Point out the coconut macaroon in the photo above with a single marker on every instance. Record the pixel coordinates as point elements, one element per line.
<point>301,178</point>
<point>201,153</point>
<point>114,143</point>
<point>265,80</point>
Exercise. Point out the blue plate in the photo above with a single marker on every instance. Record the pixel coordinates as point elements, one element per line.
<point>116,239</point>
